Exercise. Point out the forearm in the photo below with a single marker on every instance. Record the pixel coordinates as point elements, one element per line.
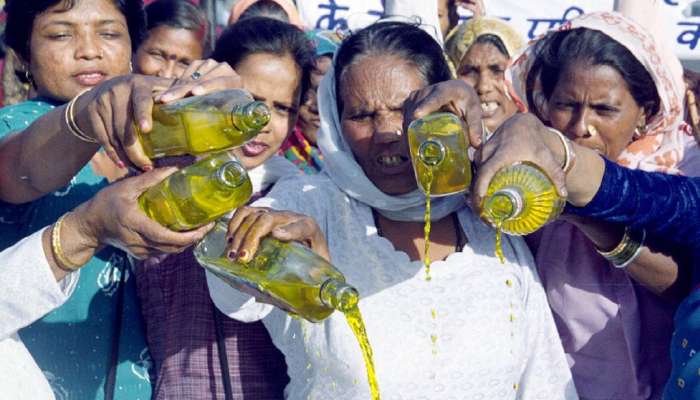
<point>655,271</point>
<point>40,159</point>
<point>72,240</point>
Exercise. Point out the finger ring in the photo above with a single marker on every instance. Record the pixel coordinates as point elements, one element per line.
<point>196,75</point>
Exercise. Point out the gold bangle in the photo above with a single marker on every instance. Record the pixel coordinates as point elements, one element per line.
<point>627,250</point>
<point>569,154</point>
<point>73,127</point>
<point>63,261</point>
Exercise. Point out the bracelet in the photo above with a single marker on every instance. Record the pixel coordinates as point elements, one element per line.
<point>63,261</point>
<point>73,127</point>
<point>627,250</point>
<point>569,154</point>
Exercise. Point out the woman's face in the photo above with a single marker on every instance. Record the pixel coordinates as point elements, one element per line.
<point>168,51</point>
<point>72,50</point>
<point>373,91</point>
<point>483,67</point>
<point>274,80</point>
<point>309,122</point>
<point>593,107</point>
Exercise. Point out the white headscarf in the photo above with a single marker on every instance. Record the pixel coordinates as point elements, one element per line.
<point>346,173</point>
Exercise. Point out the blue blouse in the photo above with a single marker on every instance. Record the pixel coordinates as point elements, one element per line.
<point>668,207</point>
<point>73,345</point>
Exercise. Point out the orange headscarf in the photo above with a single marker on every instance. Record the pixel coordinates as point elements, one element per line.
<point>288,6</point>
<point>661,144</point>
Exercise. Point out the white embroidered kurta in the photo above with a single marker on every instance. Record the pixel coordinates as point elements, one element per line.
<point>496,338</point>
<point>28,291</point>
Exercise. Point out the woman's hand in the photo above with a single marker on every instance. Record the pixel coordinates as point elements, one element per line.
<point>250,224</point>
<point>453,96</point>
<point>110,112</point>
<point>202,77</point>
<point>113,217</point>
<point>522,137</point>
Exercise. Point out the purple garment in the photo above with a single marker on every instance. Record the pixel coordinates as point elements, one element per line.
<point>180,331</point>
<point>616,333</point>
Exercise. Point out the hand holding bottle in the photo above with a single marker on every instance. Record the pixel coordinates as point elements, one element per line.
<point>250,224</point>
<point>452,96</point>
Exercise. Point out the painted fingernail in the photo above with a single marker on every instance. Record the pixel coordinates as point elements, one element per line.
<point>243,255</point>
<point>147,168</point>
<point>230,240</point>
<point>121,164</point>
<point>232,255</point>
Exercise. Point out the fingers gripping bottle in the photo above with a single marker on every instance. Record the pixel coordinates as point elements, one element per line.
<point>293,278</point>
<point>520,199</point>
<point>439,154</point>
<point>204,124</point>
<point>199,193</point>
<point>286,274</point>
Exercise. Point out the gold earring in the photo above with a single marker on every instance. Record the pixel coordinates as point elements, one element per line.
<point>399,132</point>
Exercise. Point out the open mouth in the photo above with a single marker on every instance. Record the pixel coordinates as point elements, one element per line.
<point>489,108</point>
<point>253,149</point>
<point>391,161</point>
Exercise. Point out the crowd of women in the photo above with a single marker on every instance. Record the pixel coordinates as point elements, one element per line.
<point>97,301</point>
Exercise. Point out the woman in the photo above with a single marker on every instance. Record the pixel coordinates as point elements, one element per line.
<point>493,336</point>
<point>38,274</point>
<point>176,35</point>
<point>300,147</point>
<point>599,81</point>
<point>67,48</point>
<point>481,50</point>
<point>663,205</point>
<point>274,62</point>
<point>281,10</point>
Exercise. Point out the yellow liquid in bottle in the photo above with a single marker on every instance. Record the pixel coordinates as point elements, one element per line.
<point>191,131</point>
<point>189,199</point>
<point>441,138</point>
<point>520,199</point>
<point>354,318</point>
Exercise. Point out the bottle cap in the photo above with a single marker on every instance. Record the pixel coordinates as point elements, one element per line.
<point>431,152</point>
<point>231,174</point>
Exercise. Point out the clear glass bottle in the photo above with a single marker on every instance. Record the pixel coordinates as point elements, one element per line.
<point>439,154</point>
<point>199,193</point>
<point>204,124</point>
<point>286,274</point>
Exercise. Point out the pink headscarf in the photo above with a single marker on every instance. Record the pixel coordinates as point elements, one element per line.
<point>288,6</point>
<point>661,144</point>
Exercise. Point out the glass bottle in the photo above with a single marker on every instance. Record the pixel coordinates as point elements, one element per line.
<point>521,199</point>
<point>286,274</point>
<point>204,124</point>
<point>199,193</point>
<point>439,154</point>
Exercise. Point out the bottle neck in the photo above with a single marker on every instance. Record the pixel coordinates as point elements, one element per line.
<point>431,152</point>
<point>250,117</point>
<point>506,203</point>
<point>231,175</point>
<point>338,295</point>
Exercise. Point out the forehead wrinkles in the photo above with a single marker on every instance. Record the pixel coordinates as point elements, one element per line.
<point>377,81</point>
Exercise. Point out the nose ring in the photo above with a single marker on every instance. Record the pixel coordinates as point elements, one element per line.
<point>399,132</point>
<point>592,130</point>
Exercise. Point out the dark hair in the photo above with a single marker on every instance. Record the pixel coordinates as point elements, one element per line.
<point>178,14</point>
<point>265,35</point>
<point>21,15</point>
<point>558,50</point>
<point>401,39</point>
<point>265,8</point>
<point>494,41</point>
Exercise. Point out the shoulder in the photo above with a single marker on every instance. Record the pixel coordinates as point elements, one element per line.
<point>19,116</point>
